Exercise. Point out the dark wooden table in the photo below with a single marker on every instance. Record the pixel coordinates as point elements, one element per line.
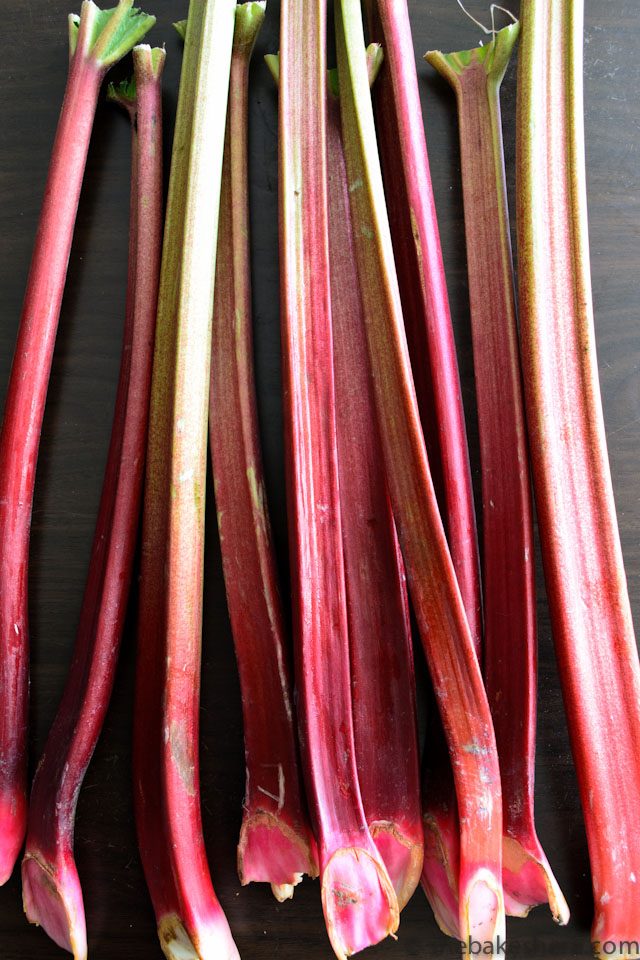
<point>76,428</point>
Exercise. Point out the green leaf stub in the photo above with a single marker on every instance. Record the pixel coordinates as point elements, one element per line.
<point>106,36</point>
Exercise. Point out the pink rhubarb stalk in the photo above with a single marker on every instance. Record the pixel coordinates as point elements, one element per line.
<point>423,289</point>
<point>509,654</point>
<point>586,584</point>
<point>276,844</point>
<point>437,601</point>
<point>358,899</point>
<point>191,923</point>
<point>97,40</point>
<point>51,886</point>
<point>382,675</point>
<point>425,306</point>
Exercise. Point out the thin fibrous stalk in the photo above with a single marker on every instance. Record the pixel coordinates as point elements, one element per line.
<point>382,673</point>
<point>51,887</point>
<point>508,574</point>
<point>423,290</point>
<point>358,899</point>
<point>583,564</point>
<point>276,843</point>
<point>437,602</point>
<point>191,923</point>
<point>97,40</point>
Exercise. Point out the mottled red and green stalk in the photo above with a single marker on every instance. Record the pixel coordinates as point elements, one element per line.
<point>191,923</point>
<point>508,575</point>
<point>586,584</point>
<point>423,289</point>
<point>97,40</point>
<point>358,899</point>
<point>276,844</point>
<point>432,583</point>
<point>51,887</point>
<point>382,675</point>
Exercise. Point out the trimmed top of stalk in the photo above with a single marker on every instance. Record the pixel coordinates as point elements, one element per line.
<point>249,19</point>
<point>106,36</point>
<point>493,57</point>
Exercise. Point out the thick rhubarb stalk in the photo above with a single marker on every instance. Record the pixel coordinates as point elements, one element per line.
<point>586,584</point>
<point>358,899</point>
<point>433,587</point>
<point>166,770</point>
<point>276,844</point>
<point>509,653</point>
<point>382,675</point>
<point>97,40</point>
<point>51,886</point>
<point>423,289</point>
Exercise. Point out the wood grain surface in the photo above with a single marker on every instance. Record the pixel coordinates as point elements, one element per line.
<point>76,430</point>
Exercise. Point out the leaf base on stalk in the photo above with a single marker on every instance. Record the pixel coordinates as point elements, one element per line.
<point>13,821</point>
<point>359,903</point>
<point>52,899</point>
<point>212,942</point>
<point>270,851</point>
<point>401,855</point>
<point>528,881</point>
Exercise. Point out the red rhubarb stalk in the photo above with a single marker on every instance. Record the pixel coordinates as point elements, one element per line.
<point>437,602</point>
<point>425,306</point>
<point>423,289</point>
<point>276,844</point>
<point>191,923</point>
<point>382,676</point>
<point>359,902</point>
<point>97,40</point>
<point>586,584</point>
<point>51,886</point>
<point>508,574</point>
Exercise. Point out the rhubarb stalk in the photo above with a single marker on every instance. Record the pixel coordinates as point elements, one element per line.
<point>437,601</point>
<point>358,899</point>
<point>382,675</point>
<point>586,584</point>
<point>97,40</point>
<point>51,886</point>
<point>423,290</point>
<point>276,844</point>
<point>508,574</point>
<point>191,923</point>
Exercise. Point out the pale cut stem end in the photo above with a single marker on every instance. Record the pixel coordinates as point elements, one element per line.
<point>177,944</point>
<point>529,882</point>
<point>270,851</point>
<point>440,870</point>
<point>482,915</point>
<point>401,856</point>
<point>52,899</point>
<point>359,902</point>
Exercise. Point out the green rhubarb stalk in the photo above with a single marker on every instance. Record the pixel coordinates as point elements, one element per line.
<point>191,923</point>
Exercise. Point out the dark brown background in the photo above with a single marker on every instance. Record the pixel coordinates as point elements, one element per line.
<point>77,423</point>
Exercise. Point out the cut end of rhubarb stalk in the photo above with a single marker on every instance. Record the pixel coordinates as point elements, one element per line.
<point>402,857</point>
<point>482,918</point>
<point>178,945</point>
<point>52,899</point>
<point>107,36</point>
<point>528,882</point>
<point>440,870</point>
<point>494,56</point>
<point>359,903</point>
<point>13,825</point>
<point>269,851</point>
